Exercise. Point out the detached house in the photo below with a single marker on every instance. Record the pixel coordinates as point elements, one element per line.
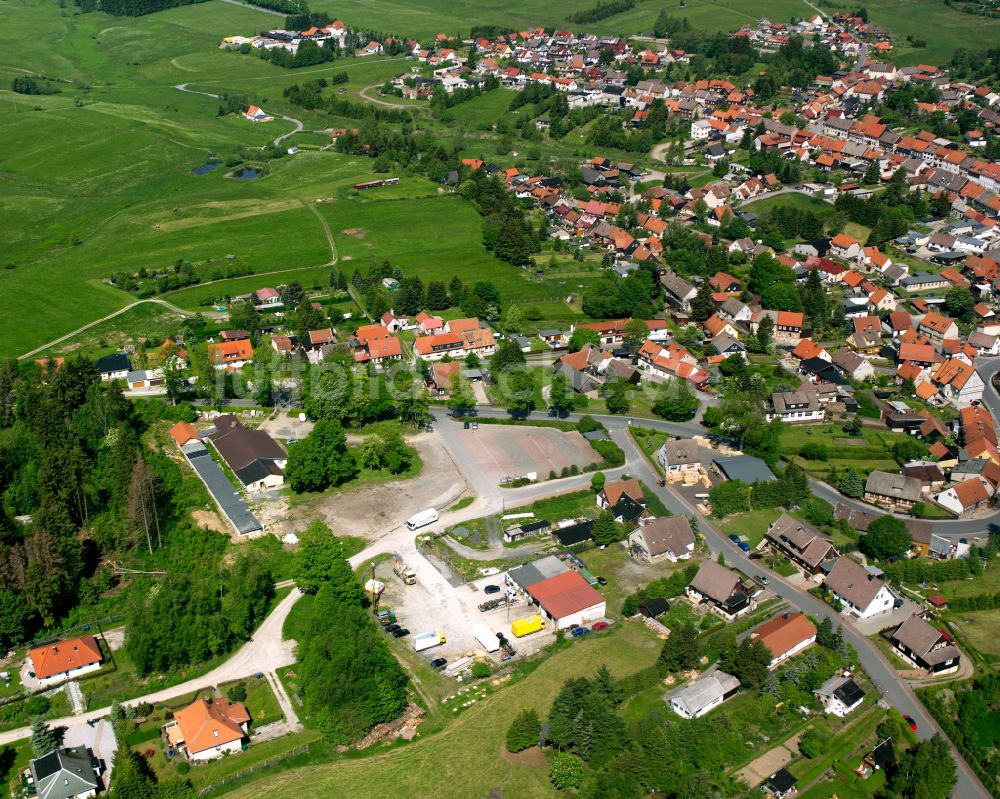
<point>937,328</point>
<point>958,383</point>
<point>844,246</point>
<point>788,327</point>
<point>852,365</point>
<point>785,636</point>
<point>796,407</point>
<point>113,367</point>
<point>722,589</point>
<point>892,490</point>
<point>624,498</point>
<point>919,643</point>
<point>70,773</point>
<point>65,660</point>
<point>966,496</point>
<point>230,355</point>
<point>862,594</point>
<point>669,538</point>
<point>209,728</point>
<point>679,456</point>
<point>840,696</point>
<point>799,541</point>
<point>255,457</point>
<point>677,290</point>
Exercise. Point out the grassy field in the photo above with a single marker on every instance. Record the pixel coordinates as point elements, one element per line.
<point>429,766</point>
<point>873,450</point>
<point>986,583</point>
<point>98,177</point>
<point>800,202</point>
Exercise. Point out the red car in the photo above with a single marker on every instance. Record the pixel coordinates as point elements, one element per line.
<point>910,722</point>
<point>599,625</point>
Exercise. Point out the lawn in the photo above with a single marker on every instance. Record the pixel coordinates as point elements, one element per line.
<point>800,202</point>
<point>986,583</point>
<point>873,452</point>
<point>979,628</point>
<point>753,524</point>
<point>13,758</point>
<point>554,509</point>
<point>261,703</point>
<point>467,758</point>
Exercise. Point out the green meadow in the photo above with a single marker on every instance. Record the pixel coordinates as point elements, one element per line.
<point>97,178</point>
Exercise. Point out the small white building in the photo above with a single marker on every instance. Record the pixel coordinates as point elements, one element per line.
<point>701,696</point>
<point>840,696</point>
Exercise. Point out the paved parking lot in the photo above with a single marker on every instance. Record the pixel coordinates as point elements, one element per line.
<point>506,451</point>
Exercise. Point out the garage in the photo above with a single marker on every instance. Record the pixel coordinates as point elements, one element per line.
<point>567,599</point>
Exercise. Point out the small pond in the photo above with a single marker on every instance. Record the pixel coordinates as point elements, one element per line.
<point>204,169</point>
<point>246,173</point>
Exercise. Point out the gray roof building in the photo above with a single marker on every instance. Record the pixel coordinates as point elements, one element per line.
<point>697,698</point>
<point>895,488</point>
<point>744,467</point>
<point>65,773</point>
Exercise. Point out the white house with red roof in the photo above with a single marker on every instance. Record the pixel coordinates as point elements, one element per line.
<point>256,114</point>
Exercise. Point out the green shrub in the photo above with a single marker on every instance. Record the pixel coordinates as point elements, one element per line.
<point>237,693</point>
<point>183,767</point>
<point>480,670</point>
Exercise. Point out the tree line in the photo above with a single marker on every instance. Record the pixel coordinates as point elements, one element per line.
<point>603,10</point>
<point>132,8</point>
<point>350,680</point>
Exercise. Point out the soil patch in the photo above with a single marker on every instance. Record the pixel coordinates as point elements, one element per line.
<point>533,756</point>
<point>210,520</point>
<point>355,232</point>
<point>850,442</point>
<point>373,510</point>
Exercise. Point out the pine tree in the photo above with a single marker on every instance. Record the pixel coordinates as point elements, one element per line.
<point>702,305</point>
<point>44,739</point>
<point>524,731</point>
<point>605,530</point>
<point>680,650</point>
<point>765,332</point>
<point>851,485</point>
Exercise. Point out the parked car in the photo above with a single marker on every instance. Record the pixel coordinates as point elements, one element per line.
<point>402,632</point>
<point>735,539</point>
<point>391,628</point>
<point>744,546</point>
<point>439,663</point>
<point>760,578</point>
<point>602,580</point>
<point>910,722</point>
<point>491,589</point>
<point>466,425</point>
<point>576,632</point>
<point>475,425</point>
<point>599,625</point>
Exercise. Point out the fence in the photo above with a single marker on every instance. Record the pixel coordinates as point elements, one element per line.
<point>244,773</point>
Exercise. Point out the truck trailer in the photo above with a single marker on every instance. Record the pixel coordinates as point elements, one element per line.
<point>427,640</point>
<point>486,637</point>
<point>422,519</point>
<point>527,625</point>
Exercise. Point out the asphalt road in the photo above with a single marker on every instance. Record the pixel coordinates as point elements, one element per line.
<point>894,691</point>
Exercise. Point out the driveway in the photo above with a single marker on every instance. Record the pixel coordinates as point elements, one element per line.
<point>265,652</point>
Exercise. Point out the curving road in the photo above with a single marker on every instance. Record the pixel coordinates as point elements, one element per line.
<point>89,325</point>
<point>267,651</point>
